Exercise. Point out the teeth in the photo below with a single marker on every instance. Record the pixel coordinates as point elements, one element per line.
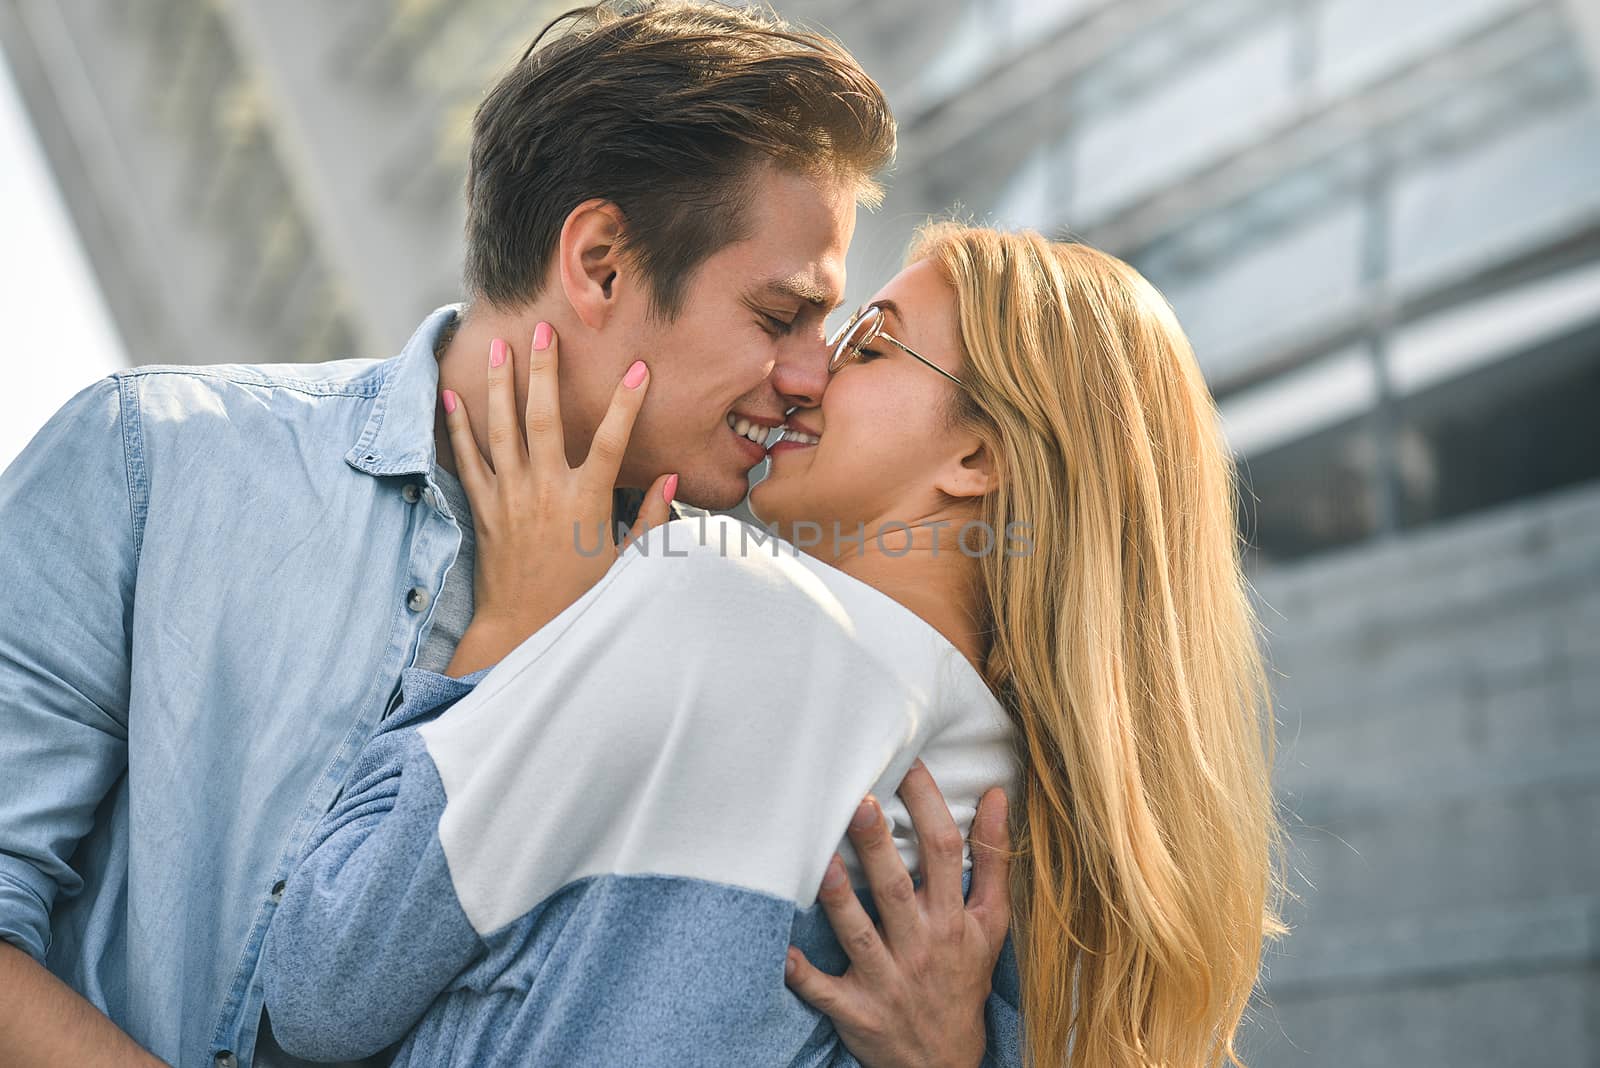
<point>759,434</point>
<point>746,429</point>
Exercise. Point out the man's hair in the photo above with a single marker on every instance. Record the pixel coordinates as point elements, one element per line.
<point>665,110</point>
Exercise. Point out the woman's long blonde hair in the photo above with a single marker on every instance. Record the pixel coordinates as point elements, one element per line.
<point>1124,645</point>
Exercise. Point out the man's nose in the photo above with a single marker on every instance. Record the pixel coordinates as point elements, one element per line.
<point>801,373</point>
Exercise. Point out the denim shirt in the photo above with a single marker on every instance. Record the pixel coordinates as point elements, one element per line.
<point>213,580</point>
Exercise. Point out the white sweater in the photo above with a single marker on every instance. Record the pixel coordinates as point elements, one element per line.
<point>715,681</point>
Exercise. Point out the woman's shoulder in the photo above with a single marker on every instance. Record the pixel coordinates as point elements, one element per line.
<point>711,535</point>
<point>718,574</point>
<point>723,558</point>
<point>740,565</point>
<point>720,578</point>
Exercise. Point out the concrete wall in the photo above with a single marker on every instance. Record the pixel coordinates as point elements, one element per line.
<point>1439,708</point>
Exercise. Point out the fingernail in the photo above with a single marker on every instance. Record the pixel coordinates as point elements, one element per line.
<point>669,488</point>
<point>449,402</point>
<point>541,336</point>
<point>497,352</point>
<point>834,875</point>
<point>635,375</point>
<point>866,815</point>
<point>789,965</point>
<point>918,765</point>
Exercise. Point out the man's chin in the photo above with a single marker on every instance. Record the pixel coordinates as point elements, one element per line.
<point>715,493</point>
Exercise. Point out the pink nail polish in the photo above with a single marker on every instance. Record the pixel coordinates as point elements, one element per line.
<point>449,402</point>
<point>635,375</point>
<point>497,352</point>
<point>541,337</point>
<point>669,488</point>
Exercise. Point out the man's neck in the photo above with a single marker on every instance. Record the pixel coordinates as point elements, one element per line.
<point>463,355</point>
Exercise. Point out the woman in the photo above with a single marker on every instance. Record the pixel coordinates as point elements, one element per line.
<point>1082,637</point>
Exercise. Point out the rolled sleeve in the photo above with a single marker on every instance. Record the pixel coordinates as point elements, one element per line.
<point>25,897</point>
<point>67,564</point>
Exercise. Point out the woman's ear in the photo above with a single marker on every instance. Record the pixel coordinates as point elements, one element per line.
<point>588,262</point>
<point>971,472</point>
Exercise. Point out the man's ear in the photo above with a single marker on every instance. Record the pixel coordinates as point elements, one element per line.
<point>972,471</point>
<point>588,263</point>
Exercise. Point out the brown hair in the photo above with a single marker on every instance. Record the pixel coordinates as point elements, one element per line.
<point>665,110</point>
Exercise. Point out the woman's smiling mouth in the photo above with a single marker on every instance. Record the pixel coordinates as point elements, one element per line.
<point>793,436</point>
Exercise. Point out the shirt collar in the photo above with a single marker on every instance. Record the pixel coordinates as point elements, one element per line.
<point>398,436</point>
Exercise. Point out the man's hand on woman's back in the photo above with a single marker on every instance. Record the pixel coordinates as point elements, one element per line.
<point>919,979</point>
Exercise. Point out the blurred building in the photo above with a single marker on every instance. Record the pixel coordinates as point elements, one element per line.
<point>1378,219</point>
<point>1380,222</point>
<point>263,180</point>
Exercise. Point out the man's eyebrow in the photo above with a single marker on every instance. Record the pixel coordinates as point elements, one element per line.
<point>801,289</point>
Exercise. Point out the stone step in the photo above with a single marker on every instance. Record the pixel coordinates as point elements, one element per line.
<point>1517,833</point>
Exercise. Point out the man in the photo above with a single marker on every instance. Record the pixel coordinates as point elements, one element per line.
<point>214,576</point>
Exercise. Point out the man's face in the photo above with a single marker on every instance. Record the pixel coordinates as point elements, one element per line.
<point>747,343</point>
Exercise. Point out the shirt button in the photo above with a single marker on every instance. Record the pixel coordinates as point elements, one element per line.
<point>417,599</point>
<point>277,890</point>
<point>226,1059</point>
<point>412,493</point>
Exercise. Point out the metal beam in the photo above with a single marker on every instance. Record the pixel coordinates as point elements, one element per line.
<point>1017,79</point>
<point>1317,130</point>
<point>168,272</point>
<point>1585,15</point>
<point>1257,215</point>
<point>338,137</point>
<point>1576,242</point>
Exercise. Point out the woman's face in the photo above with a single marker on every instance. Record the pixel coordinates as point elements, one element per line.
<point>885,451</point>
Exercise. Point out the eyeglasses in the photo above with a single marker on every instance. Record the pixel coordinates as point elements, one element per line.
<point>865,327</point>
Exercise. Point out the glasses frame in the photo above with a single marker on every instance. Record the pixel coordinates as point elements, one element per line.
<point>839,359</point>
